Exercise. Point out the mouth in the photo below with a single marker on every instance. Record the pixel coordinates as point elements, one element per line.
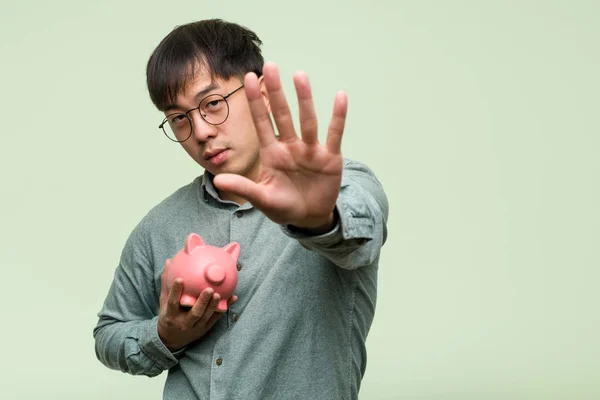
<point>217,156</point>
<point>212,153</point>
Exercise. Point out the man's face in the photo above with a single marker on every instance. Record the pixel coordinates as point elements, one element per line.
<point>230,147</point>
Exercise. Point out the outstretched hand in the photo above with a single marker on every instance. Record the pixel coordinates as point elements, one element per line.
<point>299,178</point>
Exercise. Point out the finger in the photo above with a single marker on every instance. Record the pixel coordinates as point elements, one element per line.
<point>213,320</point>
<point>258,109</point>
<point>279,105</point>
<point>210,309</point>
<point>336,126</point>
<point>202,303</point>
<point>163,282</point>
<point>308,116</point>
<point>174,297</point>
<point>242,186</point>
<point>231,301</point>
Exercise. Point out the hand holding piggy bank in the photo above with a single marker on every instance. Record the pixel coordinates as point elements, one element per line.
<point>201,266</point>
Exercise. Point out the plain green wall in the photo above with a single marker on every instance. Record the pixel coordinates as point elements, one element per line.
<point>479,117</point>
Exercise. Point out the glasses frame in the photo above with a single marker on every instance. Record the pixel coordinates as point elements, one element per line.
<point>166,120</point>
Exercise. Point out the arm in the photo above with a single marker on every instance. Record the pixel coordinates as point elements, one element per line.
<point>361,215</point>
<point>141,328</point>
<point>332,206</point>
<point>126,335</point>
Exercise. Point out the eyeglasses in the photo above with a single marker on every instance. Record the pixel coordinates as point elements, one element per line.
<point>214,109</point>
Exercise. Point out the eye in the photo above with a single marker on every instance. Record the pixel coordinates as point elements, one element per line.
<point>213,103</point>
<point>176,118</point>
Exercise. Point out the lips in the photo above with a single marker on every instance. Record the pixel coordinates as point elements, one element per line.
<point>210,154</point>
<point>216,156</point>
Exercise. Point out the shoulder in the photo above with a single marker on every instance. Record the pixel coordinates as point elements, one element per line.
<point>157,235</point>
<point>177,202</point>
<point>353,168</point>
<point>360,185</point>
<point>350,164</point>
<point>173,208</point>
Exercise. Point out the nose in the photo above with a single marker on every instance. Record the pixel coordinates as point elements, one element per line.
<point>201,129</point>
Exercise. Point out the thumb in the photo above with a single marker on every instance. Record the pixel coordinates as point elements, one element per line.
<point>241,186</point>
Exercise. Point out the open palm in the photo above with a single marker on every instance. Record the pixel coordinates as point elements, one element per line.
<point>299,178</point>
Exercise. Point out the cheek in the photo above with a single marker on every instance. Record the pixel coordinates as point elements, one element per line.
<point>252,145</point>
<point>193,149</point>
<point>242,135</point>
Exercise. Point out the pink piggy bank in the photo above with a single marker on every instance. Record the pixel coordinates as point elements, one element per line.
<point>201,266</point>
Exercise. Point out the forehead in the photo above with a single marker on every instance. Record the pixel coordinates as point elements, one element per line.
<point>196,88</point>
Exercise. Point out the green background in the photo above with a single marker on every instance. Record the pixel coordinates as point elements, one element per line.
<point>479,117</point>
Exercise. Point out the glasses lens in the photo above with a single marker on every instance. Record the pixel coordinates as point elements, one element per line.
<point>214,109</point>
<point>177,127</point>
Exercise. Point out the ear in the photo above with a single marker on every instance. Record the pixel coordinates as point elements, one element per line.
<point>193,240</point>
<point>265,94</point>
<point>233,249</point>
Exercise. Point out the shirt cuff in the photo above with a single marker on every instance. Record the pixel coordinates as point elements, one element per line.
<point>334,235</point>
<point>155,349</point>
<point>352,223</point>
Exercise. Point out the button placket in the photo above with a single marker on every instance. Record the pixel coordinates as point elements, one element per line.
<point>235,232</point>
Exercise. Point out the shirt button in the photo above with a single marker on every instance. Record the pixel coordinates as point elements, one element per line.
<point>219,361</point>
<point>238,266</point>
<point>235,317</point>
<point>239,214</point>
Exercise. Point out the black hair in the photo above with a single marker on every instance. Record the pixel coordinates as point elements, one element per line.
<point>224,49</point>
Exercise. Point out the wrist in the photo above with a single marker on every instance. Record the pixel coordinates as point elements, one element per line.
<point>170,345</point>
<point>316,227</point>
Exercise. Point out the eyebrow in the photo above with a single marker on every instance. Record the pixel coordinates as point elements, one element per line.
<point>212,86</point>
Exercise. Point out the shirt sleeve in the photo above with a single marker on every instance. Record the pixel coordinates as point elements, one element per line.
<point>361,231</point>
<point>126,335</point>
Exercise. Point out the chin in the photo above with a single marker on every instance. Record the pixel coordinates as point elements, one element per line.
<point>220,169</point>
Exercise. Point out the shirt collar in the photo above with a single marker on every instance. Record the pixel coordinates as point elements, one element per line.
<point>207,188</point>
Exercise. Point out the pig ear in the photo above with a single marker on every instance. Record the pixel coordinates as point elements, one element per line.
<point>193,240</point>
<point>233,249</point>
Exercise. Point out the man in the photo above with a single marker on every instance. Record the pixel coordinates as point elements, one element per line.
<point>309,223</point>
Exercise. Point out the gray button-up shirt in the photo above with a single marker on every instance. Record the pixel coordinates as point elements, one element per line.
<point>305,304</point>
